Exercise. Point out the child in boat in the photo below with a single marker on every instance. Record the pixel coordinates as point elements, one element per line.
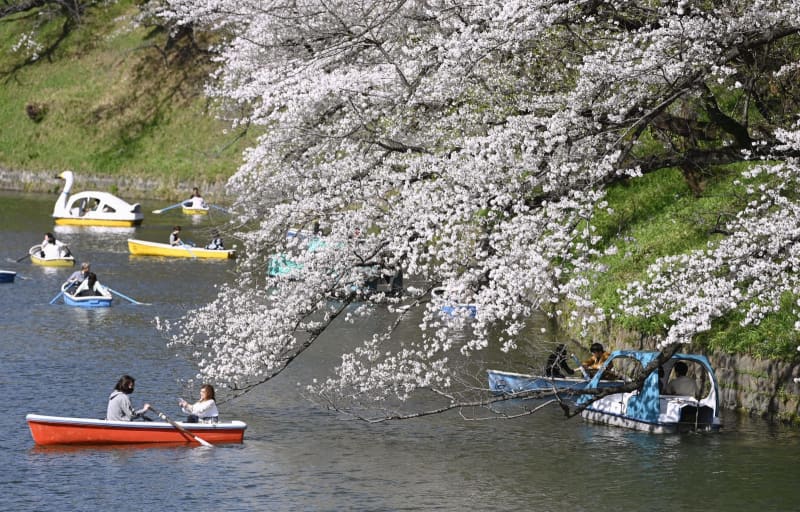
<point>204,410</point>
<point>78,277</point>
<point>216,243</point>
<point>175,236</point>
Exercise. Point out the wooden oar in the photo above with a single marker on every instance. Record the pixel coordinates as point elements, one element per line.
<point>162,210</point>
<point>180,428</point>
<point>126,297</point>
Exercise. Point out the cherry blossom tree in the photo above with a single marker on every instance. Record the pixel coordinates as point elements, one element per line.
<point>472,144</point>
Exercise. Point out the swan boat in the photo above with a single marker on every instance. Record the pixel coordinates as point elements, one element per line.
<point>87,301</point>
<point>60,430</point>
<point>92,208</point>
<point>145,248</point>
<point>37,259</point>
<point>7,276</point>
<point>649,408</point>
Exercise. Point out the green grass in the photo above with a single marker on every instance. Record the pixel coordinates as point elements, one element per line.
<point>112,104</point>
<point>657,215</point>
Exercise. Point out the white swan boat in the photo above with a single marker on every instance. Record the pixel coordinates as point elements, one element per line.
<point>92,208</point>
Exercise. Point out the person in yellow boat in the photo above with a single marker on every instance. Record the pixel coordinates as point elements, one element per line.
<point>175,236</point>
<point>216,243</point>
<point>204,410</point>
<point>196,201</point>
<point>596,360</point>
<point>51,248</point>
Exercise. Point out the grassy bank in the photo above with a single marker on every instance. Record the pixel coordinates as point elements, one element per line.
<point>658,215</point>
<point>110,100</point>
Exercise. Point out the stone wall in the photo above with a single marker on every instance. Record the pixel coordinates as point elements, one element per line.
<point>127,187</point>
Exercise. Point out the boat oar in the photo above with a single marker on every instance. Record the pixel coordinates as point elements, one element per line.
<point>57,296</point>
<point>23,258</point>
<point>162,210</point>
<point>126,297</point>
<point>219,208</point>
<point>180,428</point>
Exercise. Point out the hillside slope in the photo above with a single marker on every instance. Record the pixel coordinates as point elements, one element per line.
<point>113,98</point>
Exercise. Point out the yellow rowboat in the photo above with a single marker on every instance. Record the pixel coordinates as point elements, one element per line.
<point>145,248</point>
<point>189,209</point>
<point>37,259</point>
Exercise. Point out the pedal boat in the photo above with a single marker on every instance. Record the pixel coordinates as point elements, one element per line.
<point>92,208</point>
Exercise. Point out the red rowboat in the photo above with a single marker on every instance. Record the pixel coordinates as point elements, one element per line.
<point>58,430</point>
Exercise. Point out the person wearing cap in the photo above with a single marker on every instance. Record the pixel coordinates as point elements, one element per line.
<point>216,243</point>
<point>77,277</point>
<point>596,360</point>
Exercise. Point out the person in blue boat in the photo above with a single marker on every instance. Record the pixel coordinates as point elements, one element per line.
<point>681,384</point>
<point>596,360</point>
<point>120,407</point>
<point>556,365</point>
<point>89,286</point>
<point>204,410</point>
<point>216,243</point>
<point>77,277</point>
<point>175,236</point>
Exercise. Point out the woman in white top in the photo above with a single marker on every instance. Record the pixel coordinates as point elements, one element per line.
<point>197,200</point>
<point>204,410</point>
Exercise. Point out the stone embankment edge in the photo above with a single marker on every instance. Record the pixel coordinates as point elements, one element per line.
<point>757,387</point>
<point>126,186</point>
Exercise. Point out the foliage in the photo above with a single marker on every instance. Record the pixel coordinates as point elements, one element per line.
<point>142,113</point>
<point>475,144</point>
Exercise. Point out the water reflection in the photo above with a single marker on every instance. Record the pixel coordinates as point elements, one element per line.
<point>65,361</point>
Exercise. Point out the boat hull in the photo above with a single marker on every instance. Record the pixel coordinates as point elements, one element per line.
<point>88,301</point>
<point>7,276</point>
<point>188,209</point>
<point>57,430</point>
<point>509,383</point>
<point>145,248</point>
<point>111,223</point>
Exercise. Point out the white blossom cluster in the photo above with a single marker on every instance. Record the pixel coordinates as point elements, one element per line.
<point>472,144</point>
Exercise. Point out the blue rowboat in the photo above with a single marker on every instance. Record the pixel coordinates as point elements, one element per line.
<point>89,301</point>
<point>650,408</point>
<point>509,383</point>
<point>458,309</point>
<point>7,276</point>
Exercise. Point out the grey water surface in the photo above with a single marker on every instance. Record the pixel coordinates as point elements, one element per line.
<point>58,360</point>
